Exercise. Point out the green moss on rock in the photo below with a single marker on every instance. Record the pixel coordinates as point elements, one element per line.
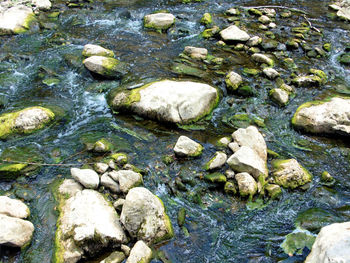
<point>296,241</point>
<point>206,19</point>
<point>215,178</point>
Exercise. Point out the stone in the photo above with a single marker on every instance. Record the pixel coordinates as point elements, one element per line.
<point>233,80</point>
<point>196,52</point>
<point>252,138</point>
<point>15,232</point>
<point>261,58</point>
<point>331,117</point>
<point>224,141</point>
<point>272,25</point>
<point>229,174</point>
<point>69,187</point>
<point>109,183</point>
<point>102,146</point>
<point>234,146</point>
<point>215,178</point>
<point>331,244</point>
<point>24,121</point>
<point>280,96</point>
<point>273,190</point>
<point>120,158</point>
<point>101,167</point>
<point>167,100</point>
<point>127,179</point>
<point>247,160</point>
<point>270,12</point>
<point>13,207</point>
<point>87,177</point>
<point>206,19</point>
<point>230,188</point>
<point>334,7</point>
<point>307,81</point>
<point>264,19</point>
<point>140,253</point>
<point>217,161</point>
<point>246,184</point>
<point>233,12</point>
<point>125,249</point>
<point>114,257</point>
<point>144,216</point>
<point>290,174</point>
<point>344,13</point>
<point>95,50</point>
<point>271,73</point>
<point>159,21</point>
<point>185,147</point>
<point>42,4</point>
<point>118,205</point>
<point>254,41</point>
<point>105,66</point>
<point>16,20</point>
<point>87,224</point>
<point>233,33</point>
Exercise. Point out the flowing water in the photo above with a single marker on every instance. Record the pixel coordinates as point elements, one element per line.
<point>221,228</point>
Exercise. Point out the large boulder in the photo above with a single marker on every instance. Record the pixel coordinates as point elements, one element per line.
<point>252,138</point>
<point>290,174</point>
<point>233,33</point>
<point>13,207</point>
<point>185,147</point>
<point>248,160</point>
<point>140,253</point>
<point>332,117</point>
<point>144,216</point>
<point>90,50</point>
<point>24,121</point>
<point>16,20</point>
<point>167,100</point>
<point>87,224</point>
<point>331,245</point>
<point>159,21</point>
<point>105,66</point>
<point>15,232</point>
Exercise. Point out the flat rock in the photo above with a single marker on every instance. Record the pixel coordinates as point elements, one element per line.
<point>331,117</point>
<point>144,217</point>
<point>87,177</point>
<point>331,245</point>
<point>271,73</point>
<point>87,224</point>
<point>233,33</point>
<point>196,52</point>
<point>185,147</point>
<point>70,187</point>
<point>261,58</point>
<point>127,179</point>
<point>247,160</point>
<point>13,207</point>
<point>109,183</point>
<point>140,253</point>
<point>15,232</point>
<point>16,20</point>
<point>105,66</point>
<point>167,100</point>
<point>160,21</point>
<point>96,50</point>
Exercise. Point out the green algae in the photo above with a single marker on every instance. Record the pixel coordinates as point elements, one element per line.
<point>215,178</point>
<point>206,19</point>
<point>296,241</point>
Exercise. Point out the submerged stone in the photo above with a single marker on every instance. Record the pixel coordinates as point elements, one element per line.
<point>196,52</point>
<point>167,100</point>
<point>280,96</point>
<point>296,241</point>
<point>114,257</point>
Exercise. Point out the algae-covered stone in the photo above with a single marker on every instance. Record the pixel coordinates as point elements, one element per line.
<point>307,81</point>
<point>320,74</point>
<point>330,117</point>
<point>196,52</point>
<point>24,121</point>
<point>167,100</point>
<point>246,184</point>
<point>224,141</point>
<point>271,73</point>
<point>344,58</point>
<point>206,19</point>
<point>273,190</point>
<point>105,66</point>
<point>102,145</point>
<point>233,33</point>
<point>296,241</point>
<point>140,253</point>
<point>16,20</point>
<point>254,41</point>
<point>280,96</point>
<point>187,147</point>
<point>230,188</point>
<point>261,58</point>
<point>264,19</point>
<point>233,80</point>
<point>95,50</point>
<point>114,257</point>
<point>159,21</point>
<point>217,161</point>
<point>127,179</point>
<point>215,178</point>
<point>120,158</point>
<point>210,32</point>
<point>144,216</point>
<point>290,174</point>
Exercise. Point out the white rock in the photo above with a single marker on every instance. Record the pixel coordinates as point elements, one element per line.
<point>69,187</point>
<point>232,11</point>
<point>13,207</point>
<point>15,232</point>
<point>87,177</point>
<point>269,12</point>
<point>233,33</point>
<point>252,138</point>
<point>95,50</point>
<point>42,4</point>
<point>101,167</point>
<point>127,179</point>
<point>105,66</point>
<point>114,257</point>
<point>224,141</point>
<point>87,223</point>
<point>344,13</point>
<point>234,146</point>
<point>233,80</point>
<point>272,25</point>
<point>16,20</point>
<point>187,147</point>
<point>246,184</point>
<point>271,73</point>
<point>334,7</point>
<point>111,164</point>
<point>217,161</point>
<point>261,58</point>
<point>144,216</point>
<point>247,160</point>
<point>159,20</point>
<point>264,19</point>
<point>32,118</point>
<point>169,101</point>
<point>196,52</point>
<point>280,96</point>
<point>230,174</point>
<point>331,245</point>
<point>254,41</point>
<point>109,183</point>
<point>140,253</point>
<point>125,249</point>
<point>325,117</point>
<point>118,205</point>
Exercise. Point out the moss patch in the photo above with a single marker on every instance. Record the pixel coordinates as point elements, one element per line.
<point>215,178</point>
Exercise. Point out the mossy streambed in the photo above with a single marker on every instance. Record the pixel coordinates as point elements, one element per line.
<point>217,227</point>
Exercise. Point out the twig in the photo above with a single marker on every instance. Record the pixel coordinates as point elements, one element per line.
<point>41,164</point>
<point>310,25</point>
<point>276,6</point>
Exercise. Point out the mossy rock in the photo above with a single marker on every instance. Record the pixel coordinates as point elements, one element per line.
<point>120,158</point>
<point>251,71</point>
<point>230,188</point>
<point>274,191</point>
<point>320,74</point>
<point>296,241</point>
<point>255,12</point>
<point>206,19</point>
<point>215,178</point>
<point>211,32</point>
<point>344,59</point>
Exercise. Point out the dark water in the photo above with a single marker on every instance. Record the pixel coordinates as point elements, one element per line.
<point>221,228</point>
